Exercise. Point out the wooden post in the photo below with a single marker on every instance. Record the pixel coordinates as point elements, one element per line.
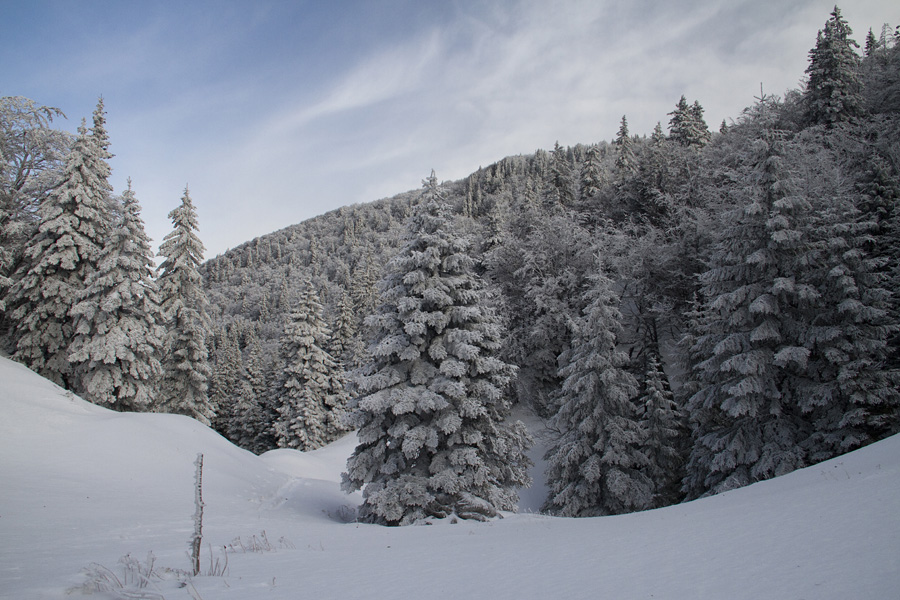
<point>197,538</point>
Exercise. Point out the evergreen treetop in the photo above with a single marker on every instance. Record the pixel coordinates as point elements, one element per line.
<point>432,407</point>
<point>833,89</point>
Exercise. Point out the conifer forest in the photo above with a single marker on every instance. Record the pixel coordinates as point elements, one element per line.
<point>690,310</point>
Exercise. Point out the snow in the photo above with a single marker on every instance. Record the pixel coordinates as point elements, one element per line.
<point>80,484</point>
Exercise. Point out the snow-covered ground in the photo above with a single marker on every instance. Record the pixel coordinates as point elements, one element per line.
<point>80,485</point>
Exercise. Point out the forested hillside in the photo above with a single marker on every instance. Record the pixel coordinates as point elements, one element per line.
<point>747,274</point>
<point>691,310</point>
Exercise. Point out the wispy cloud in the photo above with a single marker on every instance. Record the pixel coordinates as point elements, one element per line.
<point>277,112</point>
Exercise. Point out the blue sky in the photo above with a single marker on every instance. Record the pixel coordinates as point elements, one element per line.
<point>277,111</point>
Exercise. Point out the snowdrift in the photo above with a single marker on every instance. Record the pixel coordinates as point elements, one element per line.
<point>80,484</point>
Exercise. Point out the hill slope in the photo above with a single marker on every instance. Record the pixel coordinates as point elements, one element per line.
<point>81,484</point>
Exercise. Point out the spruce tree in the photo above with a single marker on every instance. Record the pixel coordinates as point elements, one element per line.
<point>117,333</point>
<point>186,371</point>
<point>542,268</point>
<point>746,427</point>
<point>345,344</point>
<point>687,126</point>
<point>561,175</point>
<point>227,383</point>
<point>850,388</point>
<point>833,91</point>
<point>626,164</point>
<point>32,156</point>
<point>434,436</point>
<point>62,255</point>
<point>258,412</point>
<point>591,173</point>
<point>312,391</point>
<point>597,466</point>
<point>666,431</point>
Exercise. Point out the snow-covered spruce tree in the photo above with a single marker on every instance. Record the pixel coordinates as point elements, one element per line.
<point>833,90</point>
<point>186,372</point>
<point>60,257</point>
<point>227,384</point>
<point>345,344</point>
<point>257,413</point>
<point>541,268</point>
<point>666,431</point>
<point>793,345</point>
<point>434,438</point>
<point>746,428</point>
<point>881,205</point>
<point>626,163</point>
<point>592,173</point>
<point>850,388</point>
<point>687,126</point>
<point>597,465</point>
<point>312,392</point>
<point>32,156</point>
<point>118,337</point>
<point>560,177</point>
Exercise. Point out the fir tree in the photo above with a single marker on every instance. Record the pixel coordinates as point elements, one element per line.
<point>116,349</point>
<point>871,44</point>
<point>186,371</point>
<point>597,466</point>
<point>666,431</point>
<point>561,175</point>
<point>434,436</point>
<point>257,413</point>
<point>833,92</point>
<point>313,395</point>
<point>541,267</point>
<point>362,288</point>
<point>31,158</point>
<point>62,255</point>
<point>687,126</point>
<point>746,428</point>
<point>227,384</point>
<point>850,387</point>
<point>658,138</point>
<point>345,345</point>
<point>881,206</point>
<point>591,173</point>
<point>626,163</point>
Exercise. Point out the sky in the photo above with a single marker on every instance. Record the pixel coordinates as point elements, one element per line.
<point>276,111</point>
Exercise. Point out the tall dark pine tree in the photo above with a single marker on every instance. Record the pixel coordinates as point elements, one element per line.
<point>257,411</point>
<point>541,268</point>
<point>312,391</point>
<point>666,431</point>
<point>746,428</point>
<point>62,256</point>
<point>186,371</point>
<point>597,466</point>
<point>881,205</point>
<point>560,175</point>
<point>626,163</point>
<point>850,388</point>
<point>118,337</point>
<point>345,344</point>
<point>794,332</point>
<point>591,173</point>
<point>833,90</point>
<point>687,126</point>
<point>434,438</point>
<point>228,385</point>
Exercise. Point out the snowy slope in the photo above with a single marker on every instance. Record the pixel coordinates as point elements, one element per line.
<point>80,484</point>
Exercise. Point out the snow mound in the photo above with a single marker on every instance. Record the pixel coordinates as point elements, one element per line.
<point>81,484</point>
